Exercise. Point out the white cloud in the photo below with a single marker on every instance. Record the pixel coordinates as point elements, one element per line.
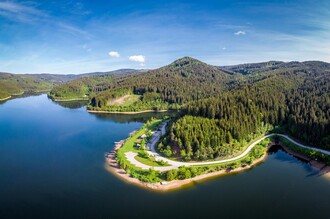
<point>137,58</point>
<point>240,33</point>
<point>224,48</point>
<point>114,54</point>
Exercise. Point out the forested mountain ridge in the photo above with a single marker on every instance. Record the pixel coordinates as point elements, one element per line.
<point>222,109</point>
<point>261,67</point>
<point>182,81</point>
<point>295,100</point>
<point>12,84</point>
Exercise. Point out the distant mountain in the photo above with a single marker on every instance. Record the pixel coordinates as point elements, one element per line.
<point>62,78</point>
<point>13,84</point>
<point>270,66</point>
<point>119,71</point>
<point>250,68</point>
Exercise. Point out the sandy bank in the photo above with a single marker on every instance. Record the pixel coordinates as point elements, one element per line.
<point>112,166</point>
<point>138,112</point>
<point>6,98</point>
<point>326,172</point>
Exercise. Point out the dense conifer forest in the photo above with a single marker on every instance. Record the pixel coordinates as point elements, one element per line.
<point>221,108</point>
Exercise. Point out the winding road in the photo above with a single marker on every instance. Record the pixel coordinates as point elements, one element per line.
<point>176,164</point>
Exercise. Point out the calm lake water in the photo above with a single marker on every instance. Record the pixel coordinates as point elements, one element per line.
<point>52,166</point>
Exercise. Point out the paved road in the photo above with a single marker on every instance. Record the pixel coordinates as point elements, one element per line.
<point>304,146</point>
<point>176,164</point>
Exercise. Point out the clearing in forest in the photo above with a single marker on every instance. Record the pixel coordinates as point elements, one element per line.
<point>124,100</point>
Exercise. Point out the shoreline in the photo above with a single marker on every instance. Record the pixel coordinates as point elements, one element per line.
<point>22,93</point>
<point>322,167</point>
<point>68,100</point>
<point>138,112</point>
<point>112,166</point>
<point>6,98</point>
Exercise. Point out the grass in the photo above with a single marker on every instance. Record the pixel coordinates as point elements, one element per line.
<point>136,172</point>
<point>129,143</point>
<point>149,162</point>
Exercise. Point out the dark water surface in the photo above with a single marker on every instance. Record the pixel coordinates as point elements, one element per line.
<point>52,166</point>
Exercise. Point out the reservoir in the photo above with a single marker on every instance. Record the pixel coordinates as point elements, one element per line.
<point>52,166</point>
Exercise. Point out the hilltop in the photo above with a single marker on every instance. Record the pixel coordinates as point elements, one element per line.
<point>182,81</point>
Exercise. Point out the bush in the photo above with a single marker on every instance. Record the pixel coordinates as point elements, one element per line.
<point>144,154</point>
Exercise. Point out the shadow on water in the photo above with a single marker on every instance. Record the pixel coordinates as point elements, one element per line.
<point>278,150</point>
<point>76,104</point>
<point>26,94</point>
<point>125,118</point>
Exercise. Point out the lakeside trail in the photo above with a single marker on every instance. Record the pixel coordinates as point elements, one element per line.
<point>113,167</point>
<point>138,112</point>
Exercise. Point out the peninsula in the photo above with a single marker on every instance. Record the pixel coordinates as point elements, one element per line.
<point>141,164</point>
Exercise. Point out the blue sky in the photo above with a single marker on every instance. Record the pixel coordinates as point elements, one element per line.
<point>86,36</point>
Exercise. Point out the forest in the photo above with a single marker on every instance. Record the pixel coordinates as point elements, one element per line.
<point>12,84</point>
<point>221,108</point>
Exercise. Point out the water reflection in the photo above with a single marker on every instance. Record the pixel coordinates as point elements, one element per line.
<point>76,104</point>
<point>282,155</point>
<point>126,118</point>
<point>24,95</point>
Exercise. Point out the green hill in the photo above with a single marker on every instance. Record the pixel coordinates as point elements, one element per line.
<point>11,84</point>
<point>237,102</point>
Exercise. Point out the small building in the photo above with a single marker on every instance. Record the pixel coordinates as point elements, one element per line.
<point>138,145</point>
<point>143,136</point>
